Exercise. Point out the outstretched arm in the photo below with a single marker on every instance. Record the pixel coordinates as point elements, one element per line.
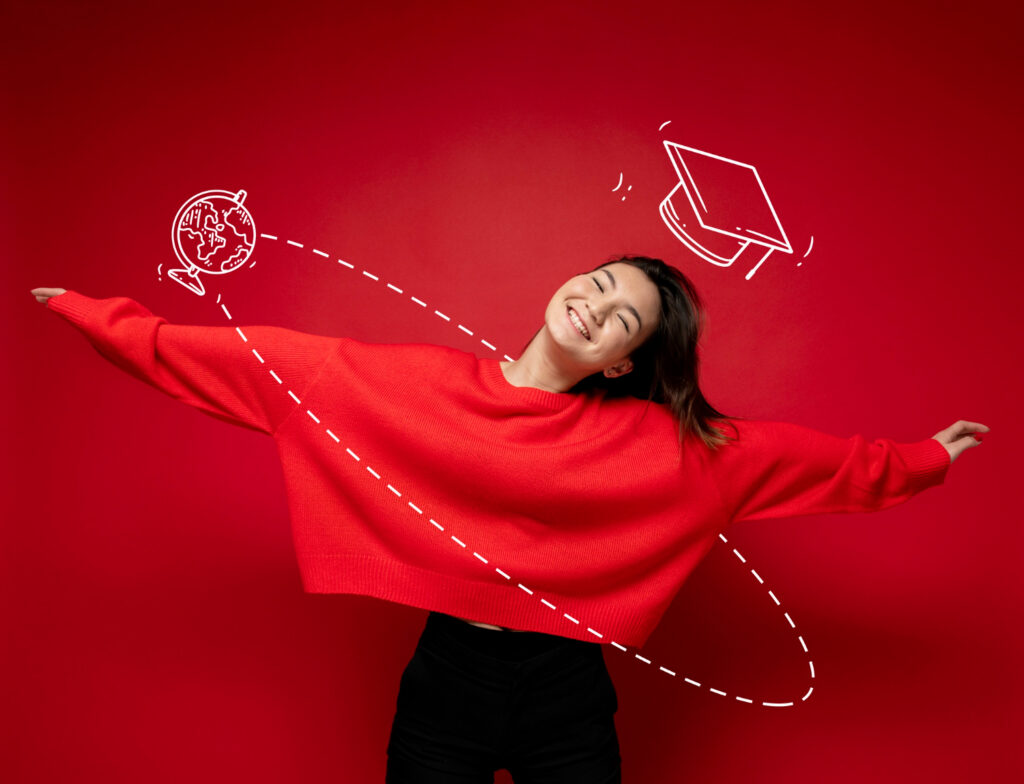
<point>778,469</point>
<point>213,369</point>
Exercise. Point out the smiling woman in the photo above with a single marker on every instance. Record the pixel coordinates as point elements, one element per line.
<point>630,327</point>
<point>576,487</point>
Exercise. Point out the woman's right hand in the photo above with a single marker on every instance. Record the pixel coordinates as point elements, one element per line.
<point>42,295</point>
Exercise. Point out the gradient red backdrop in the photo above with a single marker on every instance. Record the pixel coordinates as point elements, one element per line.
<point>154,624</point>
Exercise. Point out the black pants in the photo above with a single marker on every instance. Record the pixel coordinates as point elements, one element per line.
<point>473,701</point>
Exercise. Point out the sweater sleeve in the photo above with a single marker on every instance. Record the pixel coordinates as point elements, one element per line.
<point>212,369</point>
<point>777,469</point>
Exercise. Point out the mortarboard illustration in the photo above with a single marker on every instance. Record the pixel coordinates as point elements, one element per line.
<point>726,209</point>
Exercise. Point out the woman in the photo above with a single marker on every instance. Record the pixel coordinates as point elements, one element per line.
<point>590,476</point>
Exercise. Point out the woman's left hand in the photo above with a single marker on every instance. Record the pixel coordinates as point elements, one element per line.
<point>959,436</point>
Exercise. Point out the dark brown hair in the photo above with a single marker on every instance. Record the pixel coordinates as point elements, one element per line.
<point>665,366</point>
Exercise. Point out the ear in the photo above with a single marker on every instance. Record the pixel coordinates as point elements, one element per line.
<point>619,369</point>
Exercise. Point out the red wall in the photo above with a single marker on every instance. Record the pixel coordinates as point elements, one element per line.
<point>154,624</point>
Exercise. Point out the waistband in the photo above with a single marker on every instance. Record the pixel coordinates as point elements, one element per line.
<point>500,644</point>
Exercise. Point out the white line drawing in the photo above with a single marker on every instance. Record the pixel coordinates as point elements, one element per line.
<point>721,193</point>
<point>212,233</point>
<point>620,185</point>
<point>664,124</point>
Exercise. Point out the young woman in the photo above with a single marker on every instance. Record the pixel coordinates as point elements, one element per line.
<point>538,508</point>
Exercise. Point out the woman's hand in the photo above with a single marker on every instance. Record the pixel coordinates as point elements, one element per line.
<point>42,295</point>
<point>958,437</point>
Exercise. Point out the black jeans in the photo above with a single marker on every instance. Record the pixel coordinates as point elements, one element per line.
<point>473,701</point>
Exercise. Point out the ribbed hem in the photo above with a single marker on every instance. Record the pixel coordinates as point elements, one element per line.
<point>73,306</point>
<point>927,462</point>
<point>501,604</point>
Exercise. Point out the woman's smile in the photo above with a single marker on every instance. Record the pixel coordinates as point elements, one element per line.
<point>578,324</point>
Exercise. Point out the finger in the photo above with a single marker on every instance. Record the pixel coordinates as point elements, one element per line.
<point>972,429</point>
<point>972,426</point>
<point>962,427</point>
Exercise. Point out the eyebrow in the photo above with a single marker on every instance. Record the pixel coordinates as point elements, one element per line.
<point>629,307</point>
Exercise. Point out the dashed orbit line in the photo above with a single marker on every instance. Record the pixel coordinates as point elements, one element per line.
<point>419,511</point>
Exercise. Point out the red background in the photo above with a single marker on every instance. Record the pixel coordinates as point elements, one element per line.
<point>154,625</point>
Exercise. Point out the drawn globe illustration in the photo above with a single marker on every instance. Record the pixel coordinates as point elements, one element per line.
<point>212,234</point>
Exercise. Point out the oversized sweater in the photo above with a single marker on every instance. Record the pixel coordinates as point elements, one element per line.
<point>419,474</point>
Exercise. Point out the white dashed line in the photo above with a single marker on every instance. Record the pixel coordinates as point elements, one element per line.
<point>479,556</point>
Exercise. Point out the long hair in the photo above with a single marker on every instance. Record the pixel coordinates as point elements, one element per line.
<point>665,366</point>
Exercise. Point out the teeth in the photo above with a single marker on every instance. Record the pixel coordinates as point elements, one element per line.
<point>579,324</point>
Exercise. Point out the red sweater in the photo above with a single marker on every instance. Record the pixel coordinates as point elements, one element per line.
<point>418,474</point>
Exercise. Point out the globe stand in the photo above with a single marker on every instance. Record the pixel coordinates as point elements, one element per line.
<point>189,280</point>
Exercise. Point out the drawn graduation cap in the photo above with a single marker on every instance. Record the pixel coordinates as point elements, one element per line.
<point>726,209</point>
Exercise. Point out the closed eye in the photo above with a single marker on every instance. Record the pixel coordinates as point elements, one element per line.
<point>601,289</point>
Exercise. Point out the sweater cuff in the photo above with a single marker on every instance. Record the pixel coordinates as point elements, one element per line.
<point>73,306</point>
<point>927,462</point>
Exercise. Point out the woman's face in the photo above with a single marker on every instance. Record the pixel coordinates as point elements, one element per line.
<point>618,307</point>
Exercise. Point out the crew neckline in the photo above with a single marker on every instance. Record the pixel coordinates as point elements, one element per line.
<point>492,372</point>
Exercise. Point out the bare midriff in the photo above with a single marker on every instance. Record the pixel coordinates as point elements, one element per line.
<point>489,625</point>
